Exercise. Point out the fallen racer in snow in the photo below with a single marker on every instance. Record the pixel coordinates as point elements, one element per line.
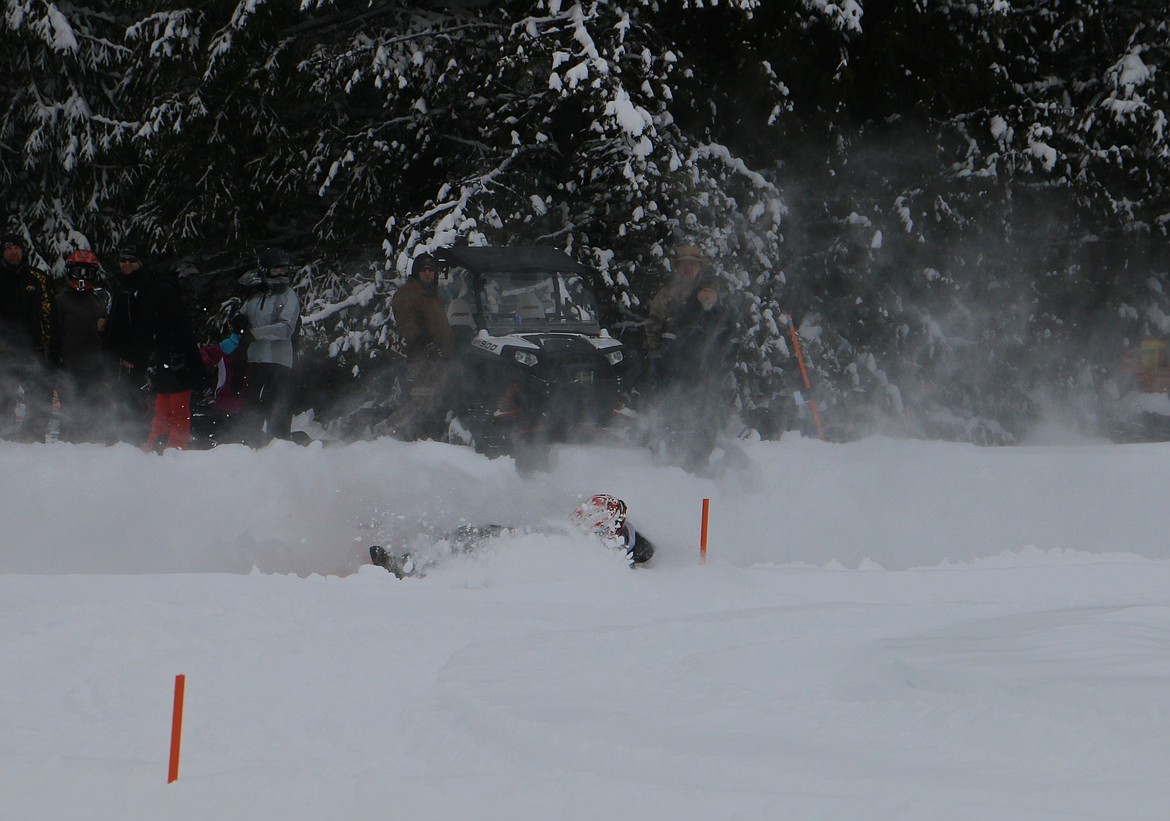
<point>602,516</point>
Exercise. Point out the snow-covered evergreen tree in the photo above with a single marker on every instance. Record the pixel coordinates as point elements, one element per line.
<point>963,205</point>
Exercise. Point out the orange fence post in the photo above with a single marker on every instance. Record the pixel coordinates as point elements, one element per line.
<point>703,532</point>
<point>804,374</point>
<point>176,728</point>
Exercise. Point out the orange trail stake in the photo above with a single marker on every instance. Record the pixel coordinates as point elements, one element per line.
<point>176,728</point>
<point>804,375</point>
<point>703,532</point>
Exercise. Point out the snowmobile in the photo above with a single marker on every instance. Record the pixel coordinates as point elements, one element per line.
<point>534,365</point>
<point>603,516</point>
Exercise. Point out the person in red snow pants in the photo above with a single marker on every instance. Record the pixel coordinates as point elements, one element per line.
<point>172,420</point>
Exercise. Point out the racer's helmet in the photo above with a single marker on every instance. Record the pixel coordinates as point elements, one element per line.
<point>81,269</point>
<point>602,515</point>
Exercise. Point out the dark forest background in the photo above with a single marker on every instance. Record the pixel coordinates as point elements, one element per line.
<point>963,206</point>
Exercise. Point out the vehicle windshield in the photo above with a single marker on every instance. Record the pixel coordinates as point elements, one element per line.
<point>533,302</point>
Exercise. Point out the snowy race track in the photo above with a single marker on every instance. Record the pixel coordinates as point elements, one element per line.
<point>886,629</point>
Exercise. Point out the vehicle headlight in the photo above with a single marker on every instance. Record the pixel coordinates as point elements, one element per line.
<point>524,358</point>
<point>614,357</point>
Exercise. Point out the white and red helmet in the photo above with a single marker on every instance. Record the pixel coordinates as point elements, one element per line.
<point>603,515</point>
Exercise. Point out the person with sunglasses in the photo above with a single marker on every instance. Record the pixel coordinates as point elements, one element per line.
<point>151,332</point>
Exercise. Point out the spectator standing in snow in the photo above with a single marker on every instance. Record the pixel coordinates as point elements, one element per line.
<point>85,376</point>
<point>273,312</point>
<point>700,337</point>
<point>27,328</point>
<point>687,263</point>
<point>697,391</point>
<point>429,343</point>
<point>151,333</point>
<point>130,338</point>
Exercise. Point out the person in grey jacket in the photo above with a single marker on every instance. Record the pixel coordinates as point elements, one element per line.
<point>273,311</point>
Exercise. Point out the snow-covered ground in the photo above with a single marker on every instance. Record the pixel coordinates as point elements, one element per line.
<point>883,630</point>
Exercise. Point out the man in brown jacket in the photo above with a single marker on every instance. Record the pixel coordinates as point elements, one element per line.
<point>428,342</point>
<point>420,316</point>
<point>688,262</point>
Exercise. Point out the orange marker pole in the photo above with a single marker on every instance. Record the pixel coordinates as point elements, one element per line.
<point>176,728</point>
<point>804,373</point>
<point>703,532</point>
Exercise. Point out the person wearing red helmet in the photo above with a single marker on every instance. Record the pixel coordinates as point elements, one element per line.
<point>607,518</point>
<point>85,374</point>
